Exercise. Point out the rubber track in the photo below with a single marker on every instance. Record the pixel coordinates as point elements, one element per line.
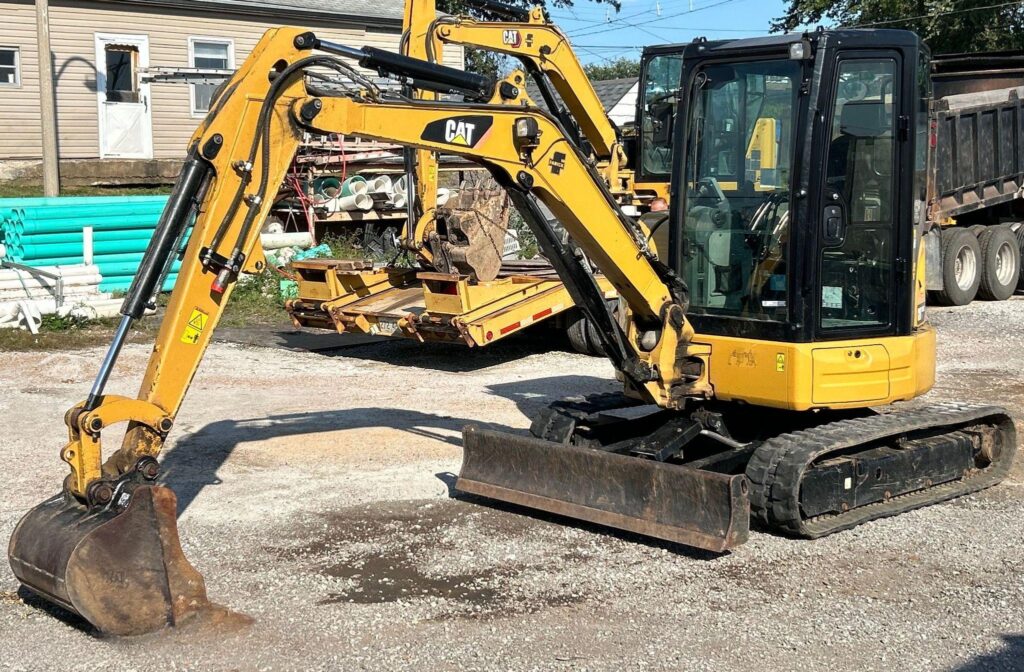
<point>776,469</point>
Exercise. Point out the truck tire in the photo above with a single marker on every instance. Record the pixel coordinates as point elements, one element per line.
<point>977,229</point>
<point>1020,248</point>
<point>1000,263</point>
<point>961,267</point>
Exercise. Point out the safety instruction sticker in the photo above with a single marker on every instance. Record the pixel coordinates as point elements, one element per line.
<point>831,297</point>
<point>196,323</point>
<point>780,362</point>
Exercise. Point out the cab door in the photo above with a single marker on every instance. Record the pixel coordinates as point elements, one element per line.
<point>860,259</point>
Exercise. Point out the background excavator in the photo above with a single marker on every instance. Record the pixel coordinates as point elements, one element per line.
<point>750,351</point>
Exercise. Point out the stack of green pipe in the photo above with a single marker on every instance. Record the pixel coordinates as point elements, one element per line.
<point>49,232</point>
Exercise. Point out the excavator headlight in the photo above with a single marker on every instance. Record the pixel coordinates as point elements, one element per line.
<point>527,133</point>
<point>799,51</point>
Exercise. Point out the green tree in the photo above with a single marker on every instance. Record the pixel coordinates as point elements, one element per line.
<point>487,62</point>
<point>948,26</point>
<point>619,68</point>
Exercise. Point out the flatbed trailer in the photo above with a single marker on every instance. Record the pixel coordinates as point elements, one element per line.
<point>359,297</point>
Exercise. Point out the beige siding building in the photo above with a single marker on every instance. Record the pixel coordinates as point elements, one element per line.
<point>104,52</point>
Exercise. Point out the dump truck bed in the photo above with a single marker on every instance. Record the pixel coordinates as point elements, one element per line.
<point>977,129</point>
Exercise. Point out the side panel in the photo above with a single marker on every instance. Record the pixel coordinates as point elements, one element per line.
<point>850,375</point>
<point>802,376</point>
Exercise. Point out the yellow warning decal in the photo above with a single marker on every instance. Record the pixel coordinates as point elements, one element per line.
<point>196,323</point>
<point>780,362</point>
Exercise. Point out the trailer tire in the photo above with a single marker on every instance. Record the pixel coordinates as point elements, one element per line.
<point>961,267</point>
<point>1000,263</point>
<point>583,335</point>
<point>577,332</point>
<point>1020,248</point>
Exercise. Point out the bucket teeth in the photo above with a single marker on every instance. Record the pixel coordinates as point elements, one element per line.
<point>121,570</point>
<point>655,499</point>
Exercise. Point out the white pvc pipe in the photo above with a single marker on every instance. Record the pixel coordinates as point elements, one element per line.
<point>31,316</point>
<point>442,196</point>
<point>401,186</point>
<point>355,202</point>
<point>47,283</point>
<point>399,200</point>
<point>275,241</point>
<point>273,227</point>
<point>381,185</point>
<point>63,271</point>
<point>72,294</point>
<point>87,245</point>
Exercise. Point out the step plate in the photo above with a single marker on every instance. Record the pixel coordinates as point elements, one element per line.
<point>655,499</point>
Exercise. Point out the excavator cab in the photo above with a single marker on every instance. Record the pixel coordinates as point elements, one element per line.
<point>771,246</point>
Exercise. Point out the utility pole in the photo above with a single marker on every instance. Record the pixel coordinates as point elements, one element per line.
<point>47,104</point>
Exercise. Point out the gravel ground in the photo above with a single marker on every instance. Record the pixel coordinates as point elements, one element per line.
<point>315,498</point>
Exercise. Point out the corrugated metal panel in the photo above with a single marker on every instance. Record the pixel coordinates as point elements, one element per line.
<point>20,134</point>
<point>73,25</point>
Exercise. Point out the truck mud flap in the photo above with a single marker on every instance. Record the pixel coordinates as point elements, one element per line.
<point>666,501</point>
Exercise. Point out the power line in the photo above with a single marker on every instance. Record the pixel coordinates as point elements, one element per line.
<point>590,31</point>
<point>935,15</point>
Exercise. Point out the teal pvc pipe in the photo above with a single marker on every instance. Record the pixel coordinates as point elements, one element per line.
<point>102,210</point>
<point>122,282</point>
<point>97,236</point>
<point>127,268</point>
<point>103,260</point>
<point>35,201</point>
<point>76,224</point>
<point>33,251</point>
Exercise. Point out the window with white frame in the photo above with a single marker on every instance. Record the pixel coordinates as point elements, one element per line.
<point>208,54</point>
<point>10,66</point>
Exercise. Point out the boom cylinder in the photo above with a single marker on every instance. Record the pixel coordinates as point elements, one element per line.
<point>387,62</point>
<point>168,232</point>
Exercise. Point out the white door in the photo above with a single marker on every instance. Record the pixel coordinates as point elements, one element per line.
<point>125,118</point>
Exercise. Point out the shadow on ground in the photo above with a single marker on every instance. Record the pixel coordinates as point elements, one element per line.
<point>192,464</point>
<point>450,357</point>
<point>1009,657</point>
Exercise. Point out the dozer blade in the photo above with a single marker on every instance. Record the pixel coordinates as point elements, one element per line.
<point>121,570</point>
<point>665,501</point>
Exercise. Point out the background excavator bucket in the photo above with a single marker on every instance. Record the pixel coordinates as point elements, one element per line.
<point>656,499</point>
<point>123,571</point>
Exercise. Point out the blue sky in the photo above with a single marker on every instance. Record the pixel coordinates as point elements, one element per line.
<point>599,34</point>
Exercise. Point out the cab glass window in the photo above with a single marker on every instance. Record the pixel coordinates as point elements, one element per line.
<point>859,235</point>
<point>740,136</point>
<point>661,84</point>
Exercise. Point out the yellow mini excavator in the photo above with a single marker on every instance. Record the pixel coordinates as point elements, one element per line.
<point>789,301</point>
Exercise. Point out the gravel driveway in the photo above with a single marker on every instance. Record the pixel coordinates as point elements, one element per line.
<point>314,491</point>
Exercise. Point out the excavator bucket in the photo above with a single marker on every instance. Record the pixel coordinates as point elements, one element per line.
<point>656,499</point>
<point>122,570</point>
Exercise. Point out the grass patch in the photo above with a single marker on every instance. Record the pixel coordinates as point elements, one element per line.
<point>256,300</point>
<point>69,333</point>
